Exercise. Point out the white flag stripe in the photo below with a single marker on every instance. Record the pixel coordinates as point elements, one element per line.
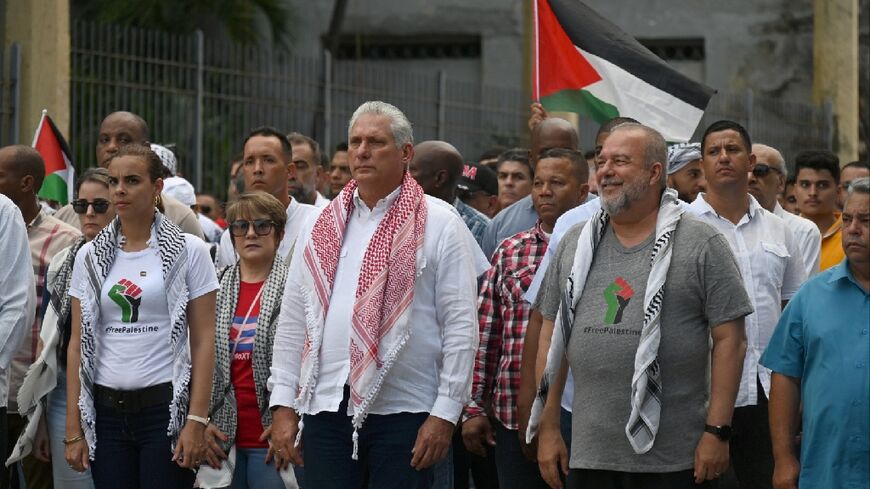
<point>674,119</point>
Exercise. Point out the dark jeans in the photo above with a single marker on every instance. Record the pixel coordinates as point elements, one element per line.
<point>134,451</point>
<point>751,450</point>
<point>481,469</point>
<point>608,479</point>
<point>515,471</point>
<point>565,427</point>
<point>384,456</point>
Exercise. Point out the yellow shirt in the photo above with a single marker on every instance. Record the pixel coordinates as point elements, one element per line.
<point>832,245</point>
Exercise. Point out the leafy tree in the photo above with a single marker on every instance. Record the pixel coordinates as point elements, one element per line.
<point>245,21</point>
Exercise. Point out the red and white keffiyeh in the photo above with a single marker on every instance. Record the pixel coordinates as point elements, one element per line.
<point>385,290</point>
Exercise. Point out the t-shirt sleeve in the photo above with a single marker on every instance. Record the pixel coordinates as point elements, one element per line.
<point>556,276</point>
<point>785,350</point>
<point>201,276</point>
<point>725,297</point>
<point>77,280</point>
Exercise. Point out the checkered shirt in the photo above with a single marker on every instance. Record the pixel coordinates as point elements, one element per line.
<point>476,221</point>
<point>503,316</point>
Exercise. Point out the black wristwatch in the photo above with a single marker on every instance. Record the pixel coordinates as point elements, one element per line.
<point>722,432</point>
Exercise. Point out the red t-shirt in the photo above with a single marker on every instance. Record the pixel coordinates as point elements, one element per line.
<point>249,426</point>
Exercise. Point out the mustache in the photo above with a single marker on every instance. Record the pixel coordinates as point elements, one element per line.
<point>611,181</point>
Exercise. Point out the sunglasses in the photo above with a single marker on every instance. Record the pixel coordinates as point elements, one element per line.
<point>80,206</point>
<point>761,170</point>
<point>205,209</point>
<point>261,226</point>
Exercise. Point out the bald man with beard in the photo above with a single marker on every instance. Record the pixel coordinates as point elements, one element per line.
<point>437,166</point>
<point>120,129</point>
<point>550,133</point>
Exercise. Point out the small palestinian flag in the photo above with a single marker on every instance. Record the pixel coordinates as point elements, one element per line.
<point>59,171</point>
<point>585,64</point>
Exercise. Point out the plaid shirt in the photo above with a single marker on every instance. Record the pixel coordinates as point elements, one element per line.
<point>474,219</point>
<point>503,316</point>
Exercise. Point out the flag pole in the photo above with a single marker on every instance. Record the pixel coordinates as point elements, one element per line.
<point>39,128</point>
<point>536,83</point>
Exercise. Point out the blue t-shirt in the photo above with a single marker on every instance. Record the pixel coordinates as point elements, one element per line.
<point>822,339</point>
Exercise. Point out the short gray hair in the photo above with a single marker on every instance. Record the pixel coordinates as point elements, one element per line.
<point>780,161</point>
<point>860,186</point>
<point>656,149</point>
<point>399,124</point>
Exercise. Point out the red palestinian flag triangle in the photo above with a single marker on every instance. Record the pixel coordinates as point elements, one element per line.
<point>585,64</point>
<point>59,171</point>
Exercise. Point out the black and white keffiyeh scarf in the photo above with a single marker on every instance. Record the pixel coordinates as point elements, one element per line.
<point>646,386</point>
<point>224,413</point>
<point>41,377</point>
<point>171,246</point>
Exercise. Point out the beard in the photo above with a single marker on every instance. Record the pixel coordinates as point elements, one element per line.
<point>632,191</point>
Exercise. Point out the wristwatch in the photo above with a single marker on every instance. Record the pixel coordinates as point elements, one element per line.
<point>722,432</point>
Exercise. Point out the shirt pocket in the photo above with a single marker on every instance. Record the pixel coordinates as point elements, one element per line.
<point>769,263</point>
<point>517,282</point>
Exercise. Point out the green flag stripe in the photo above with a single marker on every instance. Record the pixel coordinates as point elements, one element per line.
<point>582,102</point>
<point>54,188</point>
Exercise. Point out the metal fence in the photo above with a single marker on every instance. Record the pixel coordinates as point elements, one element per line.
<point>205,96</point>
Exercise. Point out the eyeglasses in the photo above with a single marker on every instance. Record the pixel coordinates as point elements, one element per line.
<point>261,226</point>
<point>761,170</point>
<point>80,206</point>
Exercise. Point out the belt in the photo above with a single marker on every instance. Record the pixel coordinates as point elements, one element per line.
<point>131,402</point>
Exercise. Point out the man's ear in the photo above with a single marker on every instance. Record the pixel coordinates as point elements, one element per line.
<point>27,182</point>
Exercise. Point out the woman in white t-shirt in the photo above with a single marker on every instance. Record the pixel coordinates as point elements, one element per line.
<point>136,384</point>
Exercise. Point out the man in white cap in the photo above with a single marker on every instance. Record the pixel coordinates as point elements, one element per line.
<point>685,174</point>
<point>182,190</point>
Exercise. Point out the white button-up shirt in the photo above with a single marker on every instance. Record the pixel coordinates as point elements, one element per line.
<point>298,215</point>
<point>433,372</point>
<point>807,235</point>
<point>18,300</point>
<point>772,269</point>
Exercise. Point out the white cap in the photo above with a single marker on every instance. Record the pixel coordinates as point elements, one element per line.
<point>180,190</point>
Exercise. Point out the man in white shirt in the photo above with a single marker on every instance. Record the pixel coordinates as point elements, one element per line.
<point>766,182</point>
<point>18,300</point>
<point>375,353</point>
<point>306,158</point>
<point>267,165</point>
<point>772,269</point>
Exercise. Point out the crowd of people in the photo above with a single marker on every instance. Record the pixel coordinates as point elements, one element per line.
<point>641,315</point>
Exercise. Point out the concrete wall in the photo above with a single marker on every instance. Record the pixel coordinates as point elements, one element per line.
<point>499,23</point>
<point>42,29</point>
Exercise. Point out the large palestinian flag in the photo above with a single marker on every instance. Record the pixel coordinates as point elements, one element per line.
<point>59,171</point>
<point>585,64</point>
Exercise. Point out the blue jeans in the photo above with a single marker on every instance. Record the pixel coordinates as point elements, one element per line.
<point>134,451</point>
<point>64,476</point>
<point>515,471</point>
<point>385,443</point>
<point>252,471</point>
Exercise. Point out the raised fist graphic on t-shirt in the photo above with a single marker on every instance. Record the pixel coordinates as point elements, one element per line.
<point>128,296</point>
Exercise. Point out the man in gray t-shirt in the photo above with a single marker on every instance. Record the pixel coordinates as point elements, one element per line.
<point>703,297</point>
<point>703,289</point>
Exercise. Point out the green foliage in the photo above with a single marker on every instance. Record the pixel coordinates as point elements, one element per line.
<point>244,21</point>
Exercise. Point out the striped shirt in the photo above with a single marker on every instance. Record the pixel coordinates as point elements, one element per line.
<point>503,316</point>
